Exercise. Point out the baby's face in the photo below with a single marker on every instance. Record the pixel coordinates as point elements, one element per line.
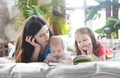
<point>57,51</point>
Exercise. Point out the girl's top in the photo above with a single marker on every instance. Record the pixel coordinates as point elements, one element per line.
<point>105,51</point>
<point>41,58</point>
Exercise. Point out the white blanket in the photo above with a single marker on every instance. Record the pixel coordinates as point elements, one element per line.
<point>107,69</point>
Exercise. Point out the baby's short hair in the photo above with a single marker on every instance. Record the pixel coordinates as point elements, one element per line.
<point>55,40</point>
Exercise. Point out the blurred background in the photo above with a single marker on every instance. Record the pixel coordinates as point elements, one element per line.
<point>63,16</point>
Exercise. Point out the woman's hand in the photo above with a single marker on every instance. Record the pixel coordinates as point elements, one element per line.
<point>37,46</point>
<point>31,40</point>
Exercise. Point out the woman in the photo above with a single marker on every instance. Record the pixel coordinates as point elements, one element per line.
<point>32,44</point>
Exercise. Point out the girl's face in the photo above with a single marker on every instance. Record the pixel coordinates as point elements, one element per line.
<point>57,51</point>
<point>42,37</point>
<point>83,41</point>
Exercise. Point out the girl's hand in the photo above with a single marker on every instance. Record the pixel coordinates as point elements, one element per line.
<point>31,40</point>
<point>82,52</point>
<point>90,49</point>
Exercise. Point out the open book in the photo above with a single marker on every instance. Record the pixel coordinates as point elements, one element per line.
<point>82,58</point>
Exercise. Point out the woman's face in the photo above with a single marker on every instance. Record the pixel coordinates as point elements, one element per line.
<point>42,37</point>
<point>83,41</point>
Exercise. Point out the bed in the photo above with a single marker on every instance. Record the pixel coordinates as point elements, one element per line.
<point>96,69</point>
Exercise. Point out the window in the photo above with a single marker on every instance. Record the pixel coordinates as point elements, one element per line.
<point>75,14</point>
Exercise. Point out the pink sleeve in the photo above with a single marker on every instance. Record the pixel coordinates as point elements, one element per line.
<point>104,51</point>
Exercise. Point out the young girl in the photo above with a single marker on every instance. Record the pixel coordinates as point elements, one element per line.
<point>87,44</point>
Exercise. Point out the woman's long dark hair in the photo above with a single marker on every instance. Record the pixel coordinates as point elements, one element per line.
<point>24,50</point>
<point>95,43</point>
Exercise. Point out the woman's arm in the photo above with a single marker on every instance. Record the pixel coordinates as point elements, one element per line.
<point>37,47</point>
<point>35,54</point>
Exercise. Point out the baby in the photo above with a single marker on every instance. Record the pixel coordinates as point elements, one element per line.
<point>57,54</point>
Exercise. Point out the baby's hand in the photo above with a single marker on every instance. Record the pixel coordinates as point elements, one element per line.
<point>62,61</point>
<point>47,61</point>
